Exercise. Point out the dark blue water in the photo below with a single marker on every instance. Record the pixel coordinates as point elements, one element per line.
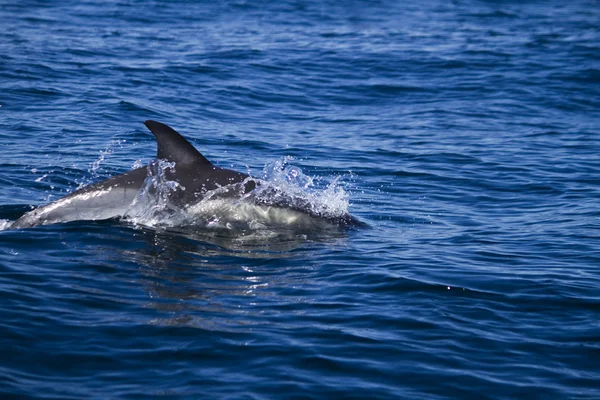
<point>465,134</point>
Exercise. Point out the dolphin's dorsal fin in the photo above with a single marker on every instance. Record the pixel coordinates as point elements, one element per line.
<point>173,147</point>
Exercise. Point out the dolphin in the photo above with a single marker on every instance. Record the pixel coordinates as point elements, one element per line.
<point>194,174</point>
<point>112,197</point>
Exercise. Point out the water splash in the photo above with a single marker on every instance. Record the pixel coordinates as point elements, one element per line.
<point>153,205</point>
<point>284,198</point>
<point>96,166</point>
<point>286,185</point>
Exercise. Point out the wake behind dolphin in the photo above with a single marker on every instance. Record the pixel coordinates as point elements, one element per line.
<point>183,182</point>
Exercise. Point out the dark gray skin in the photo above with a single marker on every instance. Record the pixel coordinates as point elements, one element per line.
<point>193,171</point>
<point>112,197</point>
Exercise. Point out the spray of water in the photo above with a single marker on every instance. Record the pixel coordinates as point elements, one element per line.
<point>110,148</point>
<point>154,205</point>
<point>286,185</point>
<point>285,197</point>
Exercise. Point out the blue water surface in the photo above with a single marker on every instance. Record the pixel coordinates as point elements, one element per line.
<point>465,133</point>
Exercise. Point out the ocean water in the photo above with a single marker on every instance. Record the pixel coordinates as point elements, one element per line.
<point>464,135</point>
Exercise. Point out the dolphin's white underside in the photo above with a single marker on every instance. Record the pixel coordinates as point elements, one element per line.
<point>93,205</point>
<point>115,202</point>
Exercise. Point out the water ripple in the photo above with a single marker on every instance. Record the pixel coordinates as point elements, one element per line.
<point>466,135</point>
